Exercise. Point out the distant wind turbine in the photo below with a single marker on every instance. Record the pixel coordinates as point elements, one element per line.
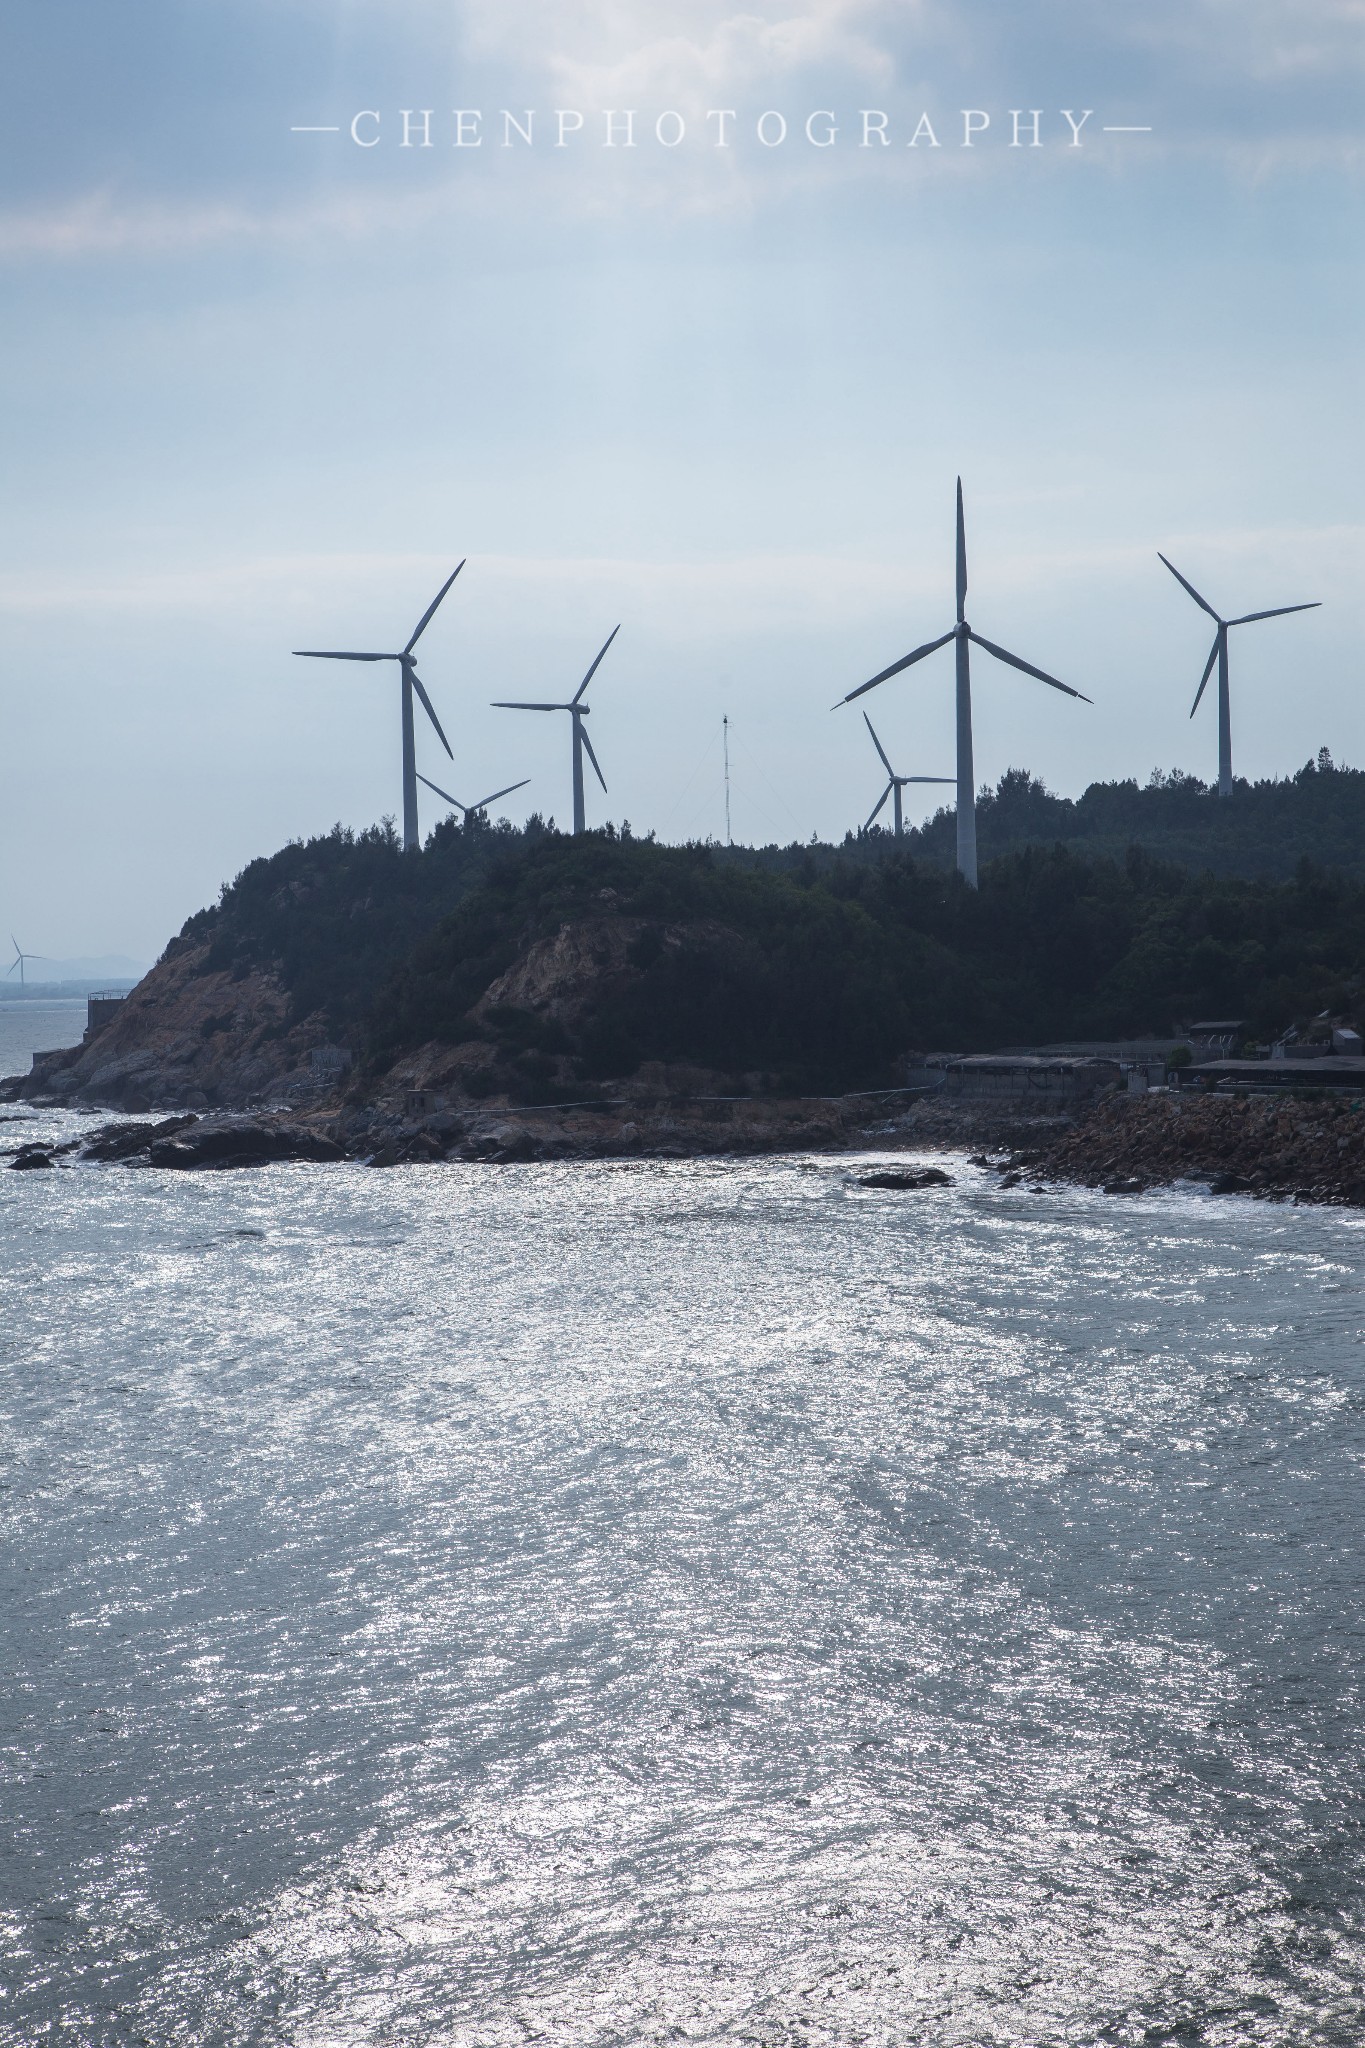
<point>896,784</point>
<point>964,634</point>
<point>484,801</point>
<point>577,711</point>
<point>411,682</point>
<point>20,956</point>
<point>1219,653</point>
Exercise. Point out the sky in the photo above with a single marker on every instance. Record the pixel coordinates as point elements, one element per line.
<point>265,388</point>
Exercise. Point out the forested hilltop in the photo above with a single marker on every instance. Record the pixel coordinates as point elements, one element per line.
<point>1264,829</point>
<point>563,962</point>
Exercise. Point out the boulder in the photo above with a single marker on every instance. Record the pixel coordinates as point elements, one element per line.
<point>125,1141</point>
<point>243,1144</point>
<point>29,1156</point>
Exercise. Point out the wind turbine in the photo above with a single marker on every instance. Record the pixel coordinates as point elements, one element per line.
<point>20,956</point>
<point>1219,653</point>
<point>897,782</point>
<point>577,711</point>
<point>411,682</point>
<point>964,634</point>
<point>484,801</point>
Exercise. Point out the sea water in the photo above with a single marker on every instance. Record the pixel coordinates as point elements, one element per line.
<point>677,1602</point>
<point>29,1025</point>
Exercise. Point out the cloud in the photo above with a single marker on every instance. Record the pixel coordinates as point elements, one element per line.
<point>103,223</point>
<point>740,53</point>
<point>759,590</point>
<point>1257,87</point>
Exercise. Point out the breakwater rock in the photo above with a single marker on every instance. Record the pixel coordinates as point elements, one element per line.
<point>1310,1150</point>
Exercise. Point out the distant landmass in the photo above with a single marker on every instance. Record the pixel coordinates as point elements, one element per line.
<point>46,978</point>
<point>527,966</point>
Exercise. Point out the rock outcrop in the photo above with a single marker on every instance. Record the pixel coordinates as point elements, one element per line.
<point>1310,1149</point>
<point>253,1143</point>
<point>187,1037</point>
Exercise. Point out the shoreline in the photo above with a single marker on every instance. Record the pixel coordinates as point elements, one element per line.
<point>508,1135</point>
<point>1305,1151</point>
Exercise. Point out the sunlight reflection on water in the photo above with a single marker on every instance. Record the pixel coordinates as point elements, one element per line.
<point>677,1601</point>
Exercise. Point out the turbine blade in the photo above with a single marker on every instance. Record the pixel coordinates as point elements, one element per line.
<point>502,705</point>
<point>1189,586</point>
<point>430,612</point>
<point>928,778</point>
<point>961,556</point>
<point>880,748</point>
<point>1208,671</point>
<point>485,801</point>
<point>877,806</point>
<point>930,647</point>
<point>593,670</point>
<point>326,654</point>
<point>1002,654</point>
<point>1279,612</point>
<point>429,708</point>
<point>587,747</point>
<point>444,793</point>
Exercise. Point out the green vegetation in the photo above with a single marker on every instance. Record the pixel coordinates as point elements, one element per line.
<point>1263,830</point>
<point>816,967</point>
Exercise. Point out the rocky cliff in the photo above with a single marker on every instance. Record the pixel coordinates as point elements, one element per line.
<point>187,1037</point>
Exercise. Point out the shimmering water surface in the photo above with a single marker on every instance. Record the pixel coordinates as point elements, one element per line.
<point>677,1602</point>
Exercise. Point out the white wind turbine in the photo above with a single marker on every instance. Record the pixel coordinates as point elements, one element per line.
<point>896,784</point>
<point>963,635</point>
<point>411,682</point>
<point>577,711</point>
<point>20,956</point>
<point>1219,653</point>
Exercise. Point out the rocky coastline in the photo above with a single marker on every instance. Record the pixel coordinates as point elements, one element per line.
<point>210,1066</point>
<point>669,1129</point>
<point>1304,1148</point>
<point>1300,1150</point>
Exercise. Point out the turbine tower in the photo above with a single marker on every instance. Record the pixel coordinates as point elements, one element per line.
<point>896,784</point>
<point>411,681</point>
<point>577,711</point>
<point>1219,653</point>
<point>964,634</point>
<point>20,956</point>
<point>484,801</point>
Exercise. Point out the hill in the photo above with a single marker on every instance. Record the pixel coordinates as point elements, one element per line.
<point>525,965</point>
